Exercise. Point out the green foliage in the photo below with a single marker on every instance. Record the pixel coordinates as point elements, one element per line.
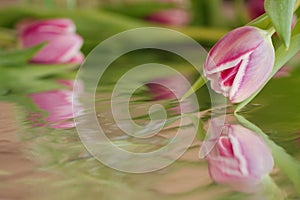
<point>281,15</point>
<point>138,10</point>
<point>18,57</point>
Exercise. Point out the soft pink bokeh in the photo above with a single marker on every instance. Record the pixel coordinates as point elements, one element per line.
<point>171,17</point>
<point>57,104</point>
<point>62,43</point>
<point>171,88</point>
<point>255,8</point>
<point>285,71</point>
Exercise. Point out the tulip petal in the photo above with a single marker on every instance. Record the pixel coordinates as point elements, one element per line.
<point>60,49</point>
<point>243,159</point>
<point>258,156</point>
<point>240,63</point>
<point>253,72</point>
<point>78,58</point>
<point>232,47</point>
<point>59,26</point>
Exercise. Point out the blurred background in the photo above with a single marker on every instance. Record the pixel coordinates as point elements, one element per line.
<point>40,153</point>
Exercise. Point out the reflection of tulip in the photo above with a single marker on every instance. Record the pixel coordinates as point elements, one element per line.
<point>58,105</point>
<point>170,88</point>
<point>166,88</point>
<point>63,44</point>
<point>173,17</point>
<point>240,63</point>
<point>240,159</point>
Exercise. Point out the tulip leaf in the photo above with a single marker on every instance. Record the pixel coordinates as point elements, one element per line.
<point>287,164</point>
<point>17,81</point>
<point>196,86</point>
<point>281,15</point>
<point>282,56</point>
<point>17,57</point>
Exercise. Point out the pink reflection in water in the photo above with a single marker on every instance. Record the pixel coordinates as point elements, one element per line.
<point>240,159</point>
<point>171,88</point>
<point>58,106</point>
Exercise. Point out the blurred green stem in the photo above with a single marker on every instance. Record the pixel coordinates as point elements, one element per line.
<point>196,86</point>
<point>270,189</point>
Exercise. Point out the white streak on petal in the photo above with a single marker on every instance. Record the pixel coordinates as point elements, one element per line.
<point>239,76</point>
<point>239,155</point>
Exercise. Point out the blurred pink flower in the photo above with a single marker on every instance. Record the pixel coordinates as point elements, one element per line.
<point>240,159</point>
<point>255,8</point>
<point>240,63</point>
<point>58,106</point>
<point>172,17</point>
<point>166,88</point>
<point>173,1</point>
<point>63,44</point>
<point>285,71</point>
<point>170,88</point>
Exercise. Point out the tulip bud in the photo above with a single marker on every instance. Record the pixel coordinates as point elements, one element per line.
<point>240,63</point>
<point>58,106</point>
<point>172,17</point>
<point>63,44</point>
<point>240,159</point>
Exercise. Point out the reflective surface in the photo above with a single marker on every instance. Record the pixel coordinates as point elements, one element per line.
<point>42,157</point>
<point>39,162</point>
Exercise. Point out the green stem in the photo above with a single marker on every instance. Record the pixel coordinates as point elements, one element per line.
<point>196,86</point>
<point>287,164</point>
<point>271,189</point>
<point>270,31</point>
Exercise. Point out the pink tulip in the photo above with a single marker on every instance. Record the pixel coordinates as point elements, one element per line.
<point>172,17</point>
<point>58,106</point>
<point>63,44</point>
<point>240,63</point>
<point>240,159</point>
